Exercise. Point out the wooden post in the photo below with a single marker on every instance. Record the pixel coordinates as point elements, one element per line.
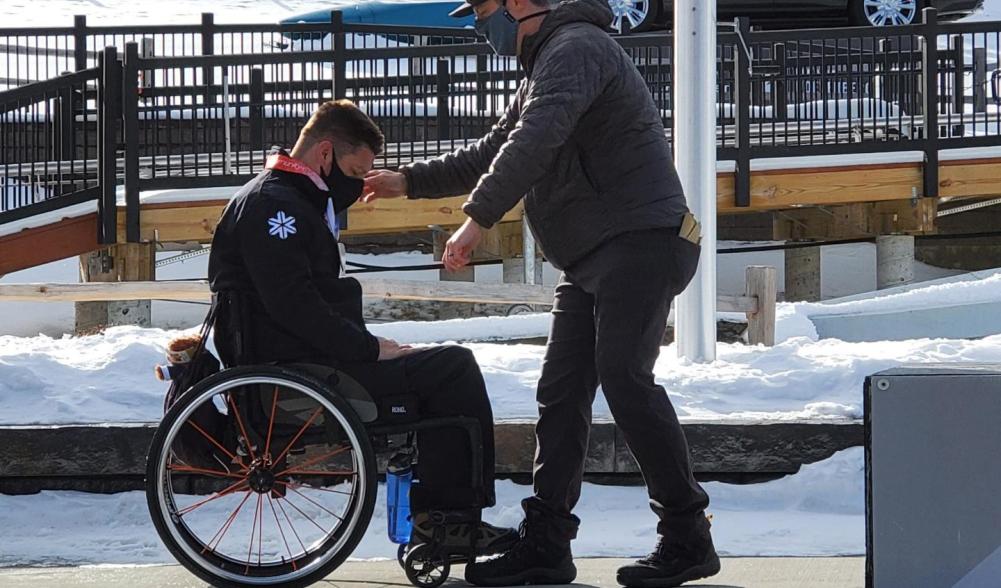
<point>761,284</point>
<point>128,262</point>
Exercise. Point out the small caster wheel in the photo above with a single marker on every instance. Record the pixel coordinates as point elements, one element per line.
<point>400,554</point>
<point>425,569</point>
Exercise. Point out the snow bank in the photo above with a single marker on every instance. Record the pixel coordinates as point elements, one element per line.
<point>819,511</point>
<point>793,320</point>
<point>109,377</point>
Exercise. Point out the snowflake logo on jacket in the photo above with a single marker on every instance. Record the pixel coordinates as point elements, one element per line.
<point>281,226</point>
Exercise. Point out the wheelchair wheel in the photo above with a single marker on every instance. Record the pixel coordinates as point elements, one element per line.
<point>281,488</point>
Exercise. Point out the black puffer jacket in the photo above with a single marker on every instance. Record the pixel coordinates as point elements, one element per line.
<point>275,271</point>
<point>582,141</point>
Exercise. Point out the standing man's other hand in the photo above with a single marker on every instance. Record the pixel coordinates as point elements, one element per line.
<point>459,248</point>
<point>383,183</point>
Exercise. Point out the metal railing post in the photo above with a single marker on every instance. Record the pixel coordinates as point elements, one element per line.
<point>958,86</point>
<point>742,115</point>
<point>79,42</point>
<point>929,95</point>
<point>208,48</point>
<point>257,109</point>
<point>338,44</point>
<point>442,98</point>
<point>109,113</point>
<point>130,115</point>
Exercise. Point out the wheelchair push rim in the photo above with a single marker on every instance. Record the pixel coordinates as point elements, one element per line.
<point>274,514</point>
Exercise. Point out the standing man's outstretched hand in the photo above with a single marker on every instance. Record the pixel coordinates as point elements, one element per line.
<point>383,183</point>
<point>460,246</point>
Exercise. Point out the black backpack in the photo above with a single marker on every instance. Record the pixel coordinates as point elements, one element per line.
<point>190,446</point>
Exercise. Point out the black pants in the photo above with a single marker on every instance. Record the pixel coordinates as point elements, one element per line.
<point>609,318</point>
<point>447,381</point>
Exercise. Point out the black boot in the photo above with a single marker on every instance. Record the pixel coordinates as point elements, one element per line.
<point>541,556</point>
<point>675,560</point>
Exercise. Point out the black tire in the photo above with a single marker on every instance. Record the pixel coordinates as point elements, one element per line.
<point>858,15</point>
<point>401,554</point>
<point>649,9</point>
<point>361,507</point>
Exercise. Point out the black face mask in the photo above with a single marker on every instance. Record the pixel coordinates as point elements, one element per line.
<point>343,188</point>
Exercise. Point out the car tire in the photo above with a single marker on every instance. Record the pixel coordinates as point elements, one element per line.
<point>903,12</point>
<point>642,15</point>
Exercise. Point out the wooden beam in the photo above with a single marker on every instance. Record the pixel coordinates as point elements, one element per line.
<point>372,288</point>
<point>775,190</point>
<point>33,247</point>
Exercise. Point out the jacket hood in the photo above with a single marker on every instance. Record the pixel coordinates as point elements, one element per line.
<point>596,12</point>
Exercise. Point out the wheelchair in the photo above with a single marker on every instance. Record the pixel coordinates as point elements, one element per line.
<point>267,476</point>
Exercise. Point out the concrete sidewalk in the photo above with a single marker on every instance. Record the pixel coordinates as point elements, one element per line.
<point>737,573</point>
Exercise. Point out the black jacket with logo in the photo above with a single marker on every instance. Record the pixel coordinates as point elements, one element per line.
<point>275,271</point>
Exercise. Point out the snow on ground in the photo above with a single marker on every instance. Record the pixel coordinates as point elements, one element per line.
<point>819,511</point>
<point>109,377</point>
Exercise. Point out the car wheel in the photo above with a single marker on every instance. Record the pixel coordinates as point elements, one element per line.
<point>641,15</point>
<point>878,13</point>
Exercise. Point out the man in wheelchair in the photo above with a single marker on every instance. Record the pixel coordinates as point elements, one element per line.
<point>276,272</point>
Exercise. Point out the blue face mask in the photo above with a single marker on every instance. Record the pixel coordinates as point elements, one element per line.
<point>500,30</point>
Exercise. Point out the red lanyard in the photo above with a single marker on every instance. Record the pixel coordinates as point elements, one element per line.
<point>282,162</point>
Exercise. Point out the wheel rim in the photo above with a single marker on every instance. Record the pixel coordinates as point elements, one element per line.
<point>287,538</point>
<point>890,12</point>
<point>632,11</point>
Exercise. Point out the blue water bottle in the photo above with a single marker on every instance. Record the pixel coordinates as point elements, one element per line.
<point>399,475</point>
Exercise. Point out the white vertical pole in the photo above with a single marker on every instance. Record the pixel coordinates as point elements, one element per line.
<point>528,250</point>
<point>695,157</point>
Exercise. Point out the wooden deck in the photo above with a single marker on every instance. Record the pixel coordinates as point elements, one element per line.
<point>772,189</point>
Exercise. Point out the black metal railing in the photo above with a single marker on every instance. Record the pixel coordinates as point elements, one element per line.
<point>202,106</point>
<point>49,151</point>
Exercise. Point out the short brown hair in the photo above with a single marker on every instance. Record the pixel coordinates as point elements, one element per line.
<point>341,121</point>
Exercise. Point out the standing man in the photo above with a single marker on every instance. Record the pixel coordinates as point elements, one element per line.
<point>584,144</point>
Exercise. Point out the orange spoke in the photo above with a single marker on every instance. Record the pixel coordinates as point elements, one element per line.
<point>307,486</point>
<point>271,425</point>
<point>291,526</point>
<point>291,559</point>
<point>315,460</point>
<point>253,533</point>
<point>308,518</point>
<point>239,421</point>
<point>230,490</point>
<point>214,442</point>
<point>338,517</point>
<point>316,473</point>
<point>193,470</point>
<point>299,434</point>
<point>225,526</point>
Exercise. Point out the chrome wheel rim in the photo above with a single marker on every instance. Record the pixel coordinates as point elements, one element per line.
<point>632,11</point>
<point>890,12</point>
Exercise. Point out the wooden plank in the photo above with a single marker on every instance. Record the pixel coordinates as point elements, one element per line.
<point>37,246</point>
<point>969,178</point>
<point>373,288</point>
<point>819,187</point>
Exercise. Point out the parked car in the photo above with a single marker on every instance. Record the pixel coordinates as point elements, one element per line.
<point>647,14</point>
